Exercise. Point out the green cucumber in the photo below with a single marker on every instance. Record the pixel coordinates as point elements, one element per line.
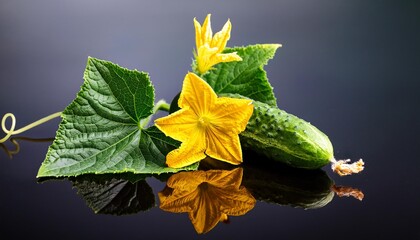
<point>286,138</point>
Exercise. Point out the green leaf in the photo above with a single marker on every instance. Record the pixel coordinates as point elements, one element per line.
<point>109,194</point>
<point>246,77</point>
<point>101,129</point>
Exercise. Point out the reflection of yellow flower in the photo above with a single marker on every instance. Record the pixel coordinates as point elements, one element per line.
<point>209,48</point>
<point>205,124</point>
<point>207,196</point>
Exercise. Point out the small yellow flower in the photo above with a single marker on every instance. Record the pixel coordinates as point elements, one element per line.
<point>208,196</point>
<point>209,48</point>
<point>205,124</point>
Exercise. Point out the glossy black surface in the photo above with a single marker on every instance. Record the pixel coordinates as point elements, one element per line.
<point>351,68</point>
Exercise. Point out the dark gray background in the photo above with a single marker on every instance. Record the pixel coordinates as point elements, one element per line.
<point>351,68</point>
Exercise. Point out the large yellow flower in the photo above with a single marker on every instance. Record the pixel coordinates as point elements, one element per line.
<point>209,48</point>
<point>208,196</point>
<point>205,124</point>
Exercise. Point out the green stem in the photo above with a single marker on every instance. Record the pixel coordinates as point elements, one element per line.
<point>161,105</point>
<point>12,131</point>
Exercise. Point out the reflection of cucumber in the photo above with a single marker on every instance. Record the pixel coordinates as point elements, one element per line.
<point>279,184</point>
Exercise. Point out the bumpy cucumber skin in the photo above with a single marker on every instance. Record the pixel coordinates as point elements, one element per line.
<point>284,137</point>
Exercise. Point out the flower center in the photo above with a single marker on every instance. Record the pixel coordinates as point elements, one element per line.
<point>203,121</point>
<point>204,186</point>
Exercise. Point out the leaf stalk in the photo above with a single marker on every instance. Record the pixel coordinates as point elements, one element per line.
<point>161,105</point>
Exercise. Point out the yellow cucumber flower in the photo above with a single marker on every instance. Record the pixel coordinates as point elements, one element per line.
<point>209,197</point>
<point>206,125</point>
<point>209,49</point>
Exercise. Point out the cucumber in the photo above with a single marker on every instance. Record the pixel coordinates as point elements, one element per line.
<point>286,138</point>
<point>282,136</point>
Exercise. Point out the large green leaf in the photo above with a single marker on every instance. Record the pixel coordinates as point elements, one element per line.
<point>246,77</point>
<point>101,129</point>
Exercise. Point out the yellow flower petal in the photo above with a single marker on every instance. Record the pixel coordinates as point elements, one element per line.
<point>189,152</point>
<point>236,203</point>
<point>180,124</point>
<point>209,58</point>
<point>205,56</point>
<point>206,214</point>
<point>196,94</point>
<point>228,179</point>
<point>226,57</point>
<point>222,147</point>
<point>184,182</point>
<point>221,38</point>
<point>232,114</point>
<point>178,202</point>
<point>206,32</point>
<point>198,41</point>
<point>229,118</point>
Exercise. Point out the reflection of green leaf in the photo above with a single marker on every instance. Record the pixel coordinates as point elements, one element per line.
<point>246,77</point>
<point>101,129</point>
<point>109,195</point>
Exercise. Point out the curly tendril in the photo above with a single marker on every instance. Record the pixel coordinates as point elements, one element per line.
<point>11,131</point>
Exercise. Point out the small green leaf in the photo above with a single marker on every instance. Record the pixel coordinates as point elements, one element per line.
<point>246,77</point>
<point>100,131</point>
